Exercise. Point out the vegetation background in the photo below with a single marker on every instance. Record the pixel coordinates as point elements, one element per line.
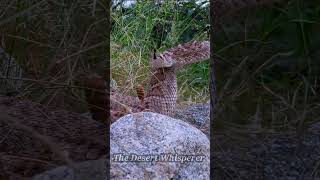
<point>266,59</point>
<point>139,28</point>
<point>266,66</point>
<point>47,45</point>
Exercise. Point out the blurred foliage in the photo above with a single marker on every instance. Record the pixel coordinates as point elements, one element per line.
<point>54,42</point>
<point>268,68</point>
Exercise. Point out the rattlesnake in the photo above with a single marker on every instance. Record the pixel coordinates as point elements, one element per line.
<point>162,94</point>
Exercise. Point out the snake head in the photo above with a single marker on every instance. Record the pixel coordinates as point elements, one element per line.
<point>163,60</point>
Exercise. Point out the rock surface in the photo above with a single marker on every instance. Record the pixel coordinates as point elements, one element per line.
<point>198,115</point>
<point>154,134</point>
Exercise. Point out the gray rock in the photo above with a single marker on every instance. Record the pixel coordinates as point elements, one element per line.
<point>150,135</point>
<point>197,115</point>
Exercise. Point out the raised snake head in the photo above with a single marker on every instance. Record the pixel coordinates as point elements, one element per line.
<point>163,60</point>
<point>181,55</point>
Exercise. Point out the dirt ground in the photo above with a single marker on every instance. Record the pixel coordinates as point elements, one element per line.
<point>34,138</point>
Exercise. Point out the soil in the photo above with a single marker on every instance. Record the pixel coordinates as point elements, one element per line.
<point>34,138</point>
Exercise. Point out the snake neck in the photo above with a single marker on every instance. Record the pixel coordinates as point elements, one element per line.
<point>162,95</point>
